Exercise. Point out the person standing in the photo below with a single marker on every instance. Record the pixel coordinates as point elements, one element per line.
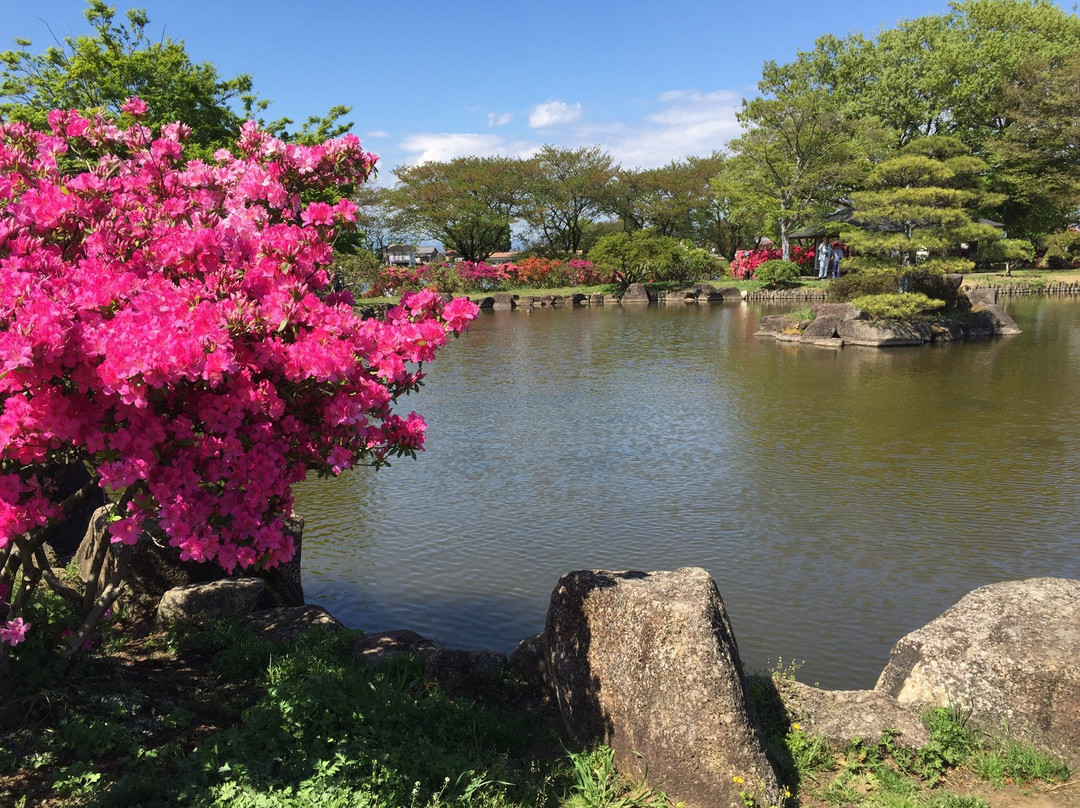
<point>822,255</point>
<point>835,254</point>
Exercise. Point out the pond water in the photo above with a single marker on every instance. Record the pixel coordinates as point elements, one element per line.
<point>839,498</point>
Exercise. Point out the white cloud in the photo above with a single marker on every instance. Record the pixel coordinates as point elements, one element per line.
<point>500,119</point>
<point>377,133</point>
<point>688,123</point>
<point>426,147</point>
<point>554,113</point>
<point>673,126</point>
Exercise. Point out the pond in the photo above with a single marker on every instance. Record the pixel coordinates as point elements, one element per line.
<point>840,498</point>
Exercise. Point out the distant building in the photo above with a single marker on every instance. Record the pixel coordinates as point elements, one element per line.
<point>403,255</point>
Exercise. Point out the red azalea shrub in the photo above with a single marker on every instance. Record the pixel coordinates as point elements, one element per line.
<point>169,325</point>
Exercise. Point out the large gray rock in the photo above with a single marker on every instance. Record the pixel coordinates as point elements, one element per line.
<point>635,293</point>
<point>1001,322</point>
<point>731,294</point>
<point>1005,653</point>
<point>777,324</point>
<point>155,566</point>
<point>504,301</point>
<point>646,662</point>
<point>285,622</point>
<point>474,673</point>
<point>882,333</point>
<point>382,645</point>
<point>984,296</point>
<point>841,716</point>
<point>844,311</point>
<point>821,327</point>
<point>230,598</point>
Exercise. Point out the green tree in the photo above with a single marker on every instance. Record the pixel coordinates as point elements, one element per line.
<point>919,207</point>
<point>468,203</point>
<point>565,192</point>
<point>100,70</point>
<point>1035,159</point>
<point>978,72</point>
<point>638,256</point>
<point>796,160</point>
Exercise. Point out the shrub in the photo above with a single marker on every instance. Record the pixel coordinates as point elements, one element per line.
<point>910,306</point>
<point>930,283</point>
<point>746,262</point>
<point>778,274</point>
<point>858,284</point>
<point>171,325</point>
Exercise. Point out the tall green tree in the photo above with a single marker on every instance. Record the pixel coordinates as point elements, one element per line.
<point>469,203</point>
<point>1036,159</point>
<point>567,190</point>
<point>117,60</point>
<point>797,159</point>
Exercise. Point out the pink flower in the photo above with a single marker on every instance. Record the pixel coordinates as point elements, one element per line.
<point>135,107</point>
<point>458,313</point>
<point>14,632</point>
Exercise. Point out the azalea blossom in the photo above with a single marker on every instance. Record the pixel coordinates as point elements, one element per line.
<point>170,324</point>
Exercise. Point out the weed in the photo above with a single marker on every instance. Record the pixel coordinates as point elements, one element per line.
<point>1007,758</point>
<point>597,785</point>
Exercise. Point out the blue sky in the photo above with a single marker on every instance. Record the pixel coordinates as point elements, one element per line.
<point>650,82</point>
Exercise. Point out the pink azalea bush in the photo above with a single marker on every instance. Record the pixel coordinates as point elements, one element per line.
<point>169,325</point>
<point>746,261</point>
<point>480,276</point>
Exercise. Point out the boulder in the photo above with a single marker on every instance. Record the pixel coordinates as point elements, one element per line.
<point>503,301</point>
<point>529,662</point>
<point>777,324</point>
<point>635,293</point>
<point>946,331</point>
<point>882,333</point>
<point>1004,654</point>
<point>646,663</point>
<point>229,598</point>
<point>485,302</point>
<point>822,327</point>
<point>1002,323</point>
<point>841,716</point>
<point>707,293</point>
<point>525,302</point>
<point>475,674</point>
<point>381,646</point>
<point>844,311</point>
<point>731,293</point>
<point>576,299</point>
<point>596,299</point>
<point>984,296</point>
<point>285,622</point>
<point>155,566</point>
<point>680,296</point>
<point>612,300</point>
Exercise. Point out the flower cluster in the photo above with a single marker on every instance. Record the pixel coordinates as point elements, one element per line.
<point>170,324</point>
<point>746,261</point>
<point>479,276</point>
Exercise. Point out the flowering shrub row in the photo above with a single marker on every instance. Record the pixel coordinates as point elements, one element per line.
<point>473,276</point>
<point>746,261</point>
<point>169,325</point>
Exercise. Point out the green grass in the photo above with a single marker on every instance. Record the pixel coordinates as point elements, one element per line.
<point>884,773</point>
<point>288,726</point>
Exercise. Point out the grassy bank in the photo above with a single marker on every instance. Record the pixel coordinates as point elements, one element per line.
<point>216,716</point>
<point>1033,278</point>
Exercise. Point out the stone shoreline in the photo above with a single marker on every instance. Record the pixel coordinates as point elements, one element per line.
<point>703,293</point>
